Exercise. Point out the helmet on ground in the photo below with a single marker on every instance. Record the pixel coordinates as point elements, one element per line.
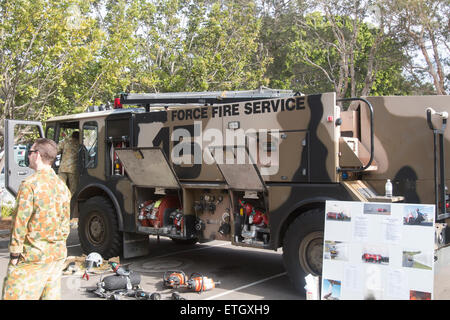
<point>93,260</point>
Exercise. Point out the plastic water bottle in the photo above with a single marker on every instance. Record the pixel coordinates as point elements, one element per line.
<point>388,188</point>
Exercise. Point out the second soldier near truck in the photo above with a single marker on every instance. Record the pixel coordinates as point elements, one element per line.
<point>68,169</point>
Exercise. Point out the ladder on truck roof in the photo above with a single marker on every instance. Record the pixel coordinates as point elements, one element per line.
<point>203,98</point>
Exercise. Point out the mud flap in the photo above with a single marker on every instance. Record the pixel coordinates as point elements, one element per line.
<point>135,245</point>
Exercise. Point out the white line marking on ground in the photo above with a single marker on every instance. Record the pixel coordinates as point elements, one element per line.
<point>246,286</point>
<point>75,245</point>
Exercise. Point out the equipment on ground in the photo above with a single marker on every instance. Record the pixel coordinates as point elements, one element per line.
<point>177,296</point>
<point>122,283</point>
<point>199,283</point>
<point>116,281</point>
<point>95,260</point>
<point>120,270</point>
<point>135,292</point>
<point>174,279</point>
<point>196,282</point>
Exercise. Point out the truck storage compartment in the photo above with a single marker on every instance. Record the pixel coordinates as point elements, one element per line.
<point>251,219</point>
<point>160,212</point>
<point>211,209</point>
<point>158,204</point>
<point>119,134</point>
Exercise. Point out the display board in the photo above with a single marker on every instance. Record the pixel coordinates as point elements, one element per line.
<point>381,251</point>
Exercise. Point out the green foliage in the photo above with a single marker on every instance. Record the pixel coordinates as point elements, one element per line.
<point>319,54</point>
<point>42,50</point>
<point>58,57</point>
<point>7,211</point>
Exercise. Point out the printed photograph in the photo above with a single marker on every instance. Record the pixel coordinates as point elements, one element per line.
<point>331,289</point>
<point>375,208</point>
<point>336,250</point>
<point>375,254</point>
<point>417,259</point>
<point>338,213</point>
<point>416,215</point>
<point>419,295</point>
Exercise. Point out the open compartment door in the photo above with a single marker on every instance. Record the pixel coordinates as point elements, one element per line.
<point>19,136</point>
<point>148,167</point>
<point>238,168</point>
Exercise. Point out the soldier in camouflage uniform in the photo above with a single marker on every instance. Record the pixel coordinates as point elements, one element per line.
<point>39,231</point>
<point>68,169</point>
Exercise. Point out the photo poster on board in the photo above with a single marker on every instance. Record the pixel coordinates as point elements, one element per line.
<point>378,251</point>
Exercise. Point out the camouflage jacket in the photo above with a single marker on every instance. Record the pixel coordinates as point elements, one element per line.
<point>69,159</point>
<point>41,222</point>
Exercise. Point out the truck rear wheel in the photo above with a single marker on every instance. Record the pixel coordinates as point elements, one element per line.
<point>303,247</point>
<point>98,229</point>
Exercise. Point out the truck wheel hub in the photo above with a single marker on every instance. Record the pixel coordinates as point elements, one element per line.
<point>311,253</point>
<point>96,230</point>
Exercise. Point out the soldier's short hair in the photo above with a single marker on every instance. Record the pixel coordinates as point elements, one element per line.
<point>47,148</point>
<point>76,135</point>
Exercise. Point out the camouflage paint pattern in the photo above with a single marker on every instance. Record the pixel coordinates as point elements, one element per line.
<point>302,121</point>
<point>404,149</point>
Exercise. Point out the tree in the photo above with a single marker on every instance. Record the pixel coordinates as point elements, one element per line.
<point>425,27</point>
<point>223,51</point>
<point>41,47</point>
<point>332,48</point>
<point>113,69</point>
<point>201,45</point>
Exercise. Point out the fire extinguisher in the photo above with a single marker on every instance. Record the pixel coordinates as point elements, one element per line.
<point>143,213</point>
<point>153,216</point>
<point>118,168</point>
<point>245,208</point>
<point>255,216</point>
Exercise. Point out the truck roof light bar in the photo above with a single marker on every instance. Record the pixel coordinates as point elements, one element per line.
<point>212,97</point>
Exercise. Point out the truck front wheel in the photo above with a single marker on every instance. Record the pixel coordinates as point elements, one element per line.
<point>98,229</point>
<point>303,247</point>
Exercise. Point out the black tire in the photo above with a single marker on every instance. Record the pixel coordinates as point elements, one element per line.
<point>98,228</point>
<point>303,247</point>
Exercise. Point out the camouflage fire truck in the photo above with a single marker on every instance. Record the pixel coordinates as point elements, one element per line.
<point>251,167</point>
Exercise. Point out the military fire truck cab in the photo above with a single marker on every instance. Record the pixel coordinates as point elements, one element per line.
<point>251,167</point>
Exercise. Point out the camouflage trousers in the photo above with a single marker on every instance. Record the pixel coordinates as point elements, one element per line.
<point>71,179</point>
<point>32,281</point>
